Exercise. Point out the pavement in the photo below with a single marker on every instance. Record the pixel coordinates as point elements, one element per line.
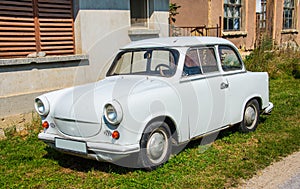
<point>292,183</point>
<point>284,174</point>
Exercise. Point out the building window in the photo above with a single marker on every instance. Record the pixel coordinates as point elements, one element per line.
<point>139,13</point>
<point>36,26</point>
<point>232,15</point>
<point>288,14</point>
<point>262,20</point>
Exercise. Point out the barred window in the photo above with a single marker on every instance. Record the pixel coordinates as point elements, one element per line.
<point>288,14</point>
<point>30,26</point>
<point>262,21</point>
<point>232,15</point>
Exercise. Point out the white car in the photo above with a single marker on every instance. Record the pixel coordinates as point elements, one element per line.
<point>157,94</point>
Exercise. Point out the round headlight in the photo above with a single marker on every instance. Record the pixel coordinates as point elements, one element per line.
<point>41,106</point>
<point>113,112</point>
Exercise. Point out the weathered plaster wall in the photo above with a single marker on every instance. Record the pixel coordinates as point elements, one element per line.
<point>191,12</point>
<point>281,35</point>
<point>102,34</point>
<point>245,38</point>
<point>21,83</point>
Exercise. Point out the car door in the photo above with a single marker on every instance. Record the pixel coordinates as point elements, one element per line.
<point>207,88</point>
<point>235,74</point>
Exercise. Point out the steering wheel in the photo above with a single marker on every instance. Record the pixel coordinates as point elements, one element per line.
<point>159,66</point>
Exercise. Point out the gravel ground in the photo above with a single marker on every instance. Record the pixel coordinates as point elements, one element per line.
<point>284,174</point>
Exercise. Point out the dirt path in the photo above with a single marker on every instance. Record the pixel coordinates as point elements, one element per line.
<point>283,174</point>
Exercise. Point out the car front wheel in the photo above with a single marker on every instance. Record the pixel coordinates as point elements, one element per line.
<point>251,117</point>
<point>155,145</point>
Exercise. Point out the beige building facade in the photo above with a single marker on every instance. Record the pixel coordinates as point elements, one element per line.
<point>242,21</point>
<point>280,20</point>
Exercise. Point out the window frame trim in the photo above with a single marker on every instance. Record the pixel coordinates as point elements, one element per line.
<point>293,10</point>
<point>202,74</point>
<point>240,16</point>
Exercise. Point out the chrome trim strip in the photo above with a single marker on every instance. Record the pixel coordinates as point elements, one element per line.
<point>75,121</point>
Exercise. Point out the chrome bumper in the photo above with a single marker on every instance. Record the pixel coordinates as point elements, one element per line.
<point>98,151</point>
<point>268,109</point>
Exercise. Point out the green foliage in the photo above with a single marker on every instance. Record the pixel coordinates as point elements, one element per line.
<point>26,162</point>
<point>173,11</point>
<point>278,63</point>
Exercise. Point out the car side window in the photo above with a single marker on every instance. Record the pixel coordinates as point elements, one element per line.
<point>191,63</point>
<point>229,59</point>
<point>208,60</point>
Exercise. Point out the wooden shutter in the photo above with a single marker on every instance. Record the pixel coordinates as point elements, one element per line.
<point>28,26</point>
<point>17,34</point>
<point>56,26</point>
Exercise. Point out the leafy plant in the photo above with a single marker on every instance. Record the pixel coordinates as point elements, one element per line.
<point>173,12</point>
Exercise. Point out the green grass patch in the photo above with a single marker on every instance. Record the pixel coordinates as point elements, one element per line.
<point>26,162</point>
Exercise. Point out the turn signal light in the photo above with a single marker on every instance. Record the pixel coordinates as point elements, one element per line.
<point>115,135</point>
<point>45,125</point>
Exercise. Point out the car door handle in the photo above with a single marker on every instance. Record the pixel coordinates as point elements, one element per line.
<point>224,85</point>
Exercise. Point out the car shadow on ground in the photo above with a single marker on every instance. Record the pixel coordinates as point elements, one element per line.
<point>82,164</point>
<point>126,165</point>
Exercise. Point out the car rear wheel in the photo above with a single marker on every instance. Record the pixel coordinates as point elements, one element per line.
<point>251,117</point>
<point>155,145</point>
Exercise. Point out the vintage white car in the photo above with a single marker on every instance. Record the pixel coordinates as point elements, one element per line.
<point>157,94</point>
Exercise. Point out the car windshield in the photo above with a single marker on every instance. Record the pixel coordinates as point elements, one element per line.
<point>152,62</point>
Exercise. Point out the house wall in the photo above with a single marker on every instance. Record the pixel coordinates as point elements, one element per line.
<point>200,12</point>
<point>245,38</point>
<point>101,28</point>
<point>280,35</point>
<point>191,12</point>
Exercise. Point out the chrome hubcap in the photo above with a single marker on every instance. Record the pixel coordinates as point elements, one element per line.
<point>157,147</point>
<point>250,117</point>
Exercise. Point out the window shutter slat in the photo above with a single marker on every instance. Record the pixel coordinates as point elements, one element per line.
<point>17,35</point>
<point>53,32</point>
<point>56,26</point>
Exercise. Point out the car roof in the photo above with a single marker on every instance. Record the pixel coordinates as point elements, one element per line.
<point>177,42</point>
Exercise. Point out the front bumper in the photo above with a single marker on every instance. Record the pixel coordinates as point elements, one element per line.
<point>98,151</point>
<point>268,109</point>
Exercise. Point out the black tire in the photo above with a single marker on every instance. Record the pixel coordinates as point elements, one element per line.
<point>250,117</point>
<point>156,146</point>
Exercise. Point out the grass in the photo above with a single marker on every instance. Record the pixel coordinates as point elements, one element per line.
<point>26,162</point>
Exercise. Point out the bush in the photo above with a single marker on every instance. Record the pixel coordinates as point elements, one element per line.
<point>280,63</point>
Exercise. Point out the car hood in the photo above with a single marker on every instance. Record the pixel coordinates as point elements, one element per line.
<point>83,105</point>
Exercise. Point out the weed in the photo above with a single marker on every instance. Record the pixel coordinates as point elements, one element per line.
<point>278,63</point>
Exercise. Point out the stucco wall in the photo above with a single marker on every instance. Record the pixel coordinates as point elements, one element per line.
<point>245,38</point>
<point>279,34</point>
<point>191,12</point>
<point>101,28</point>
<point>21,83</point>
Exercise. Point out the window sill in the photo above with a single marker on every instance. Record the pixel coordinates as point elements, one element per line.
<point>234,33</point>
<point>41,60</point>
<point>289,31</point>
<point>142,31</point>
